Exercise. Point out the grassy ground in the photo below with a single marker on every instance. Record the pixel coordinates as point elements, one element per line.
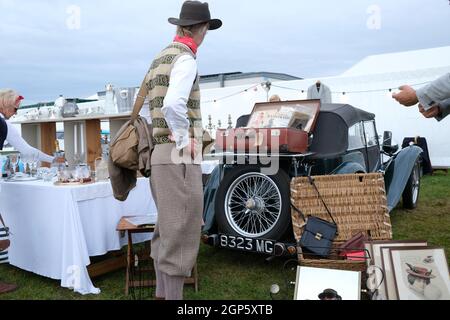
<point>228,275</point>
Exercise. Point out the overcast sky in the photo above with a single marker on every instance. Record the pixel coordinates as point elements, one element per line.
<point>45,50</point>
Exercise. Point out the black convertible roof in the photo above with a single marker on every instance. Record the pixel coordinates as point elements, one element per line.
<point>348,113</point>
<point>331,131</point>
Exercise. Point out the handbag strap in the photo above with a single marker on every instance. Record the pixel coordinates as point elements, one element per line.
<point>1,220</point>
<point>140,99</point>
<point>298,211</point>
<point>311,180</point>
<point>4,225</point>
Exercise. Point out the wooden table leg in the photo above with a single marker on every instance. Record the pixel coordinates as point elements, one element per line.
<point>196,278</point>
<point>129,263</point>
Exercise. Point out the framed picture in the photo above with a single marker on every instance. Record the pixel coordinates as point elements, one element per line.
<point>420,273</point>
<point>376,276</point>
<point>389,283</point>
<point>327,284</point>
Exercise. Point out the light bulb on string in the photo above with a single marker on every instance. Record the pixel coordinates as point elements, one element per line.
<point>389,94</point>
<point>344,98</point>
<point>303,94</point>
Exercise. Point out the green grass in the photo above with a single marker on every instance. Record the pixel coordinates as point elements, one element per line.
<point>229,275</point>
<point>431,220</point>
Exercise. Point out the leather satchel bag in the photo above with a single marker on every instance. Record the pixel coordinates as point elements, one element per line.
<point>124,146</point>
<point>318,234</point>
<point>353,245</point>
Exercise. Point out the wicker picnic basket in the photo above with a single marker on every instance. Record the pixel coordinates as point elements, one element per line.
<point>357,202</point>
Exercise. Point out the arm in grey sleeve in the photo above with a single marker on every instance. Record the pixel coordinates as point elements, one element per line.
<point>445,109</point>
<point>434,92</point>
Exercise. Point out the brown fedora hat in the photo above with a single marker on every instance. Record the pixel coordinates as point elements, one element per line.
<point>195,12</point>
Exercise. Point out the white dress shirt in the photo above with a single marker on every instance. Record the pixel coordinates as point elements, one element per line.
<point>14,139</point>
<point>175,110</point>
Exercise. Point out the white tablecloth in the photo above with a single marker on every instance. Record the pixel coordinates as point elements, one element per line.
<point>54,230</point>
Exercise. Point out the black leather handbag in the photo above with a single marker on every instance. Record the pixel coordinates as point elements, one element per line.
<point>318,234</point>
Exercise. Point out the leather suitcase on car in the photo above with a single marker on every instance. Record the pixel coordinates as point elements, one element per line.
<point>273,127</point>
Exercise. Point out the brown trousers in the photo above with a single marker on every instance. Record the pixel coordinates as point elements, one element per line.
<point>178,193</point>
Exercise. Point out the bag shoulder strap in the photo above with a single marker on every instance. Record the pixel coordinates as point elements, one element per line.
<point>1,220</point>
<point>298,211</point>
<point>311,180</point>
<point>140,99</point>
<point>4,225</point>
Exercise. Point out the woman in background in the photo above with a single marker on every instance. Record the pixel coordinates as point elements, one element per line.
<point>4,244</point>
<point>9,104</point>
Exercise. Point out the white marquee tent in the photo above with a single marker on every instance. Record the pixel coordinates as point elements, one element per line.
<point>366,86</point>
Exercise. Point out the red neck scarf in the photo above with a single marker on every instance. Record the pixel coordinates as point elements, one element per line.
<point>187,41</point>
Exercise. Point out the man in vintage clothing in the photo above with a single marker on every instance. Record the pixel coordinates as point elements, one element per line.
<point>176,178</point>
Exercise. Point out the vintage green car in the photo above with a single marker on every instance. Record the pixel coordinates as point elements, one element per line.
<point>248,209</point>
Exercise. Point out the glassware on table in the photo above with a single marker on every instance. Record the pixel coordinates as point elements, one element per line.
<point>34,164</point>
<point>82,173</point>
<point>101,169</point>
<point>14,158</point>
<point>6,168</point>
<point>27,160</point>
<point>3,166</point>
<point>49,175</point>
<point>65,175</point>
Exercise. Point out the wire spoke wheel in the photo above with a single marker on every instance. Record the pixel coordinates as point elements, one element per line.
<point>253,205</point>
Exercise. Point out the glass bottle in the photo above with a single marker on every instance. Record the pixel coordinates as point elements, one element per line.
<point>60,161</point>
<point>6,168</point>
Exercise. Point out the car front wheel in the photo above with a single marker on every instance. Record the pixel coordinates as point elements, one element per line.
<point>412,189</point>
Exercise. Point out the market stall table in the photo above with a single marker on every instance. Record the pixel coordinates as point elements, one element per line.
<point>56,229</point>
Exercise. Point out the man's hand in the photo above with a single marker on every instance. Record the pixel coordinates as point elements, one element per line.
<point>407,96</point>
<point>190,148</point>
<point>430,113</point>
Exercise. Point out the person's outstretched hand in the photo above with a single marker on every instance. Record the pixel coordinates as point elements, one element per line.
<point>430,113</point>
<point>407,96</point>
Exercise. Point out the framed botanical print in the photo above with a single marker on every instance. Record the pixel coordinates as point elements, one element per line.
<point>389,283</point>
<point>420,273</point>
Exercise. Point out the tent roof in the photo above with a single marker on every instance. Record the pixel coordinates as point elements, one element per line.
<point>402,61</point>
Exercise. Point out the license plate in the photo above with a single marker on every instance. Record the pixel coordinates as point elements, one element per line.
<point>247,244</point>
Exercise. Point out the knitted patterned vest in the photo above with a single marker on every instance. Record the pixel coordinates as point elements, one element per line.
<point>157,80</point>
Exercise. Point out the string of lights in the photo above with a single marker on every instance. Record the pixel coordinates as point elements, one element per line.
<point>306,90</point>
<point>232,95</point>
<point>349,92</point>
